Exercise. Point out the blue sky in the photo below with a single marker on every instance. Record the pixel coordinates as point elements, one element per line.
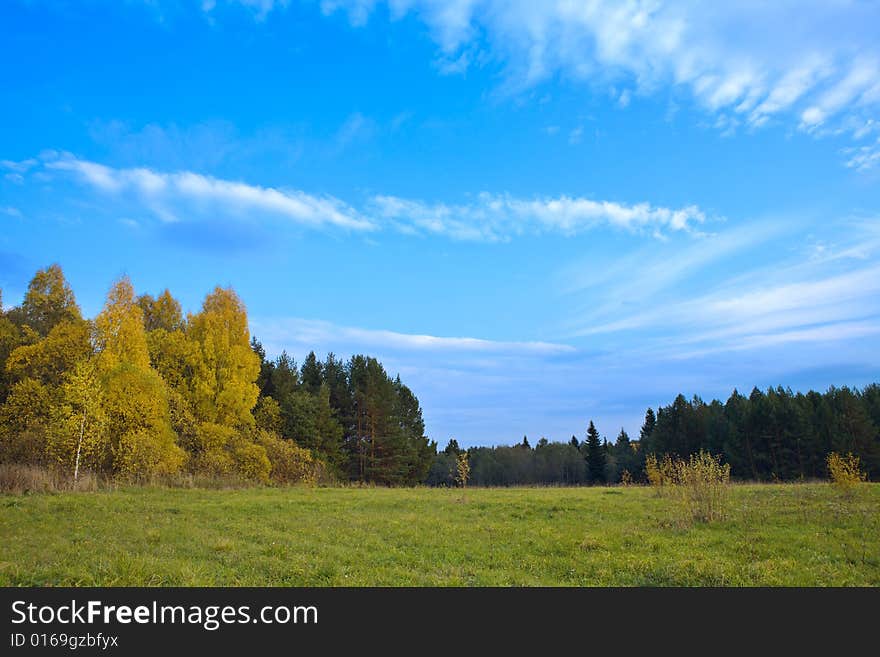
<point>537,213</point>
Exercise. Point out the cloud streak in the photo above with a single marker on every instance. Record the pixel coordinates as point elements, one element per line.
<point>821,308</point>
<point>317,334</point>
<point>174,197</point>
<point>164,192</point>
<point>498,217</point>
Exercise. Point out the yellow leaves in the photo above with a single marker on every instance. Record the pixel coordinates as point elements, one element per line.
<point>23,418</point>
<point>463,470</point>
<point>121,337</point>
<point>661,473</point>
<point>50,358</point>
<point>127,401</point>
<point>267,415</point>
<point>138,420</point>
<point>78,422</point>
<point>174,356</point>
<point>290,463</point>
<point>700,483</point>
<point>27,405</point>
<point>163,312</point>
<point>845,471</point>
<point>222,451</point>
<point>223,386</point>
<point>213,437</point>
<point>251,460</point>
<point>48,301</point>
<point>143,453</point>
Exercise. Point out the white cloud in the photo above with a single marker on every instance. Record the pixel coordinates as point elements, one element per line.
<point>861,75</point>
<point>165,192</point>
<point>835,332</point>
<point>316,334</point>
<point>807,62</point>
<point>641,277</point>
<point>737,316</point>
<point>498,217</point>
<point>488,217</point>
<point>863,158</point>
<point>19,167</point>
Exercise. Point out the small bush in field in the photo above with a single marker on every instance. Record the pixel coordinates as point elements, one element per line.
<point>845,471</point>
<point>626,478</point>
<point>701,483</point>
<point>661,472</point>
<point>652,470</point>
<point>463,470</point>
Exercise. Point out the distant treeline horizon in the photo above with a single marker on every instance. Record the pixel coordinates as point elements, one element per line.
<point>772,435</point>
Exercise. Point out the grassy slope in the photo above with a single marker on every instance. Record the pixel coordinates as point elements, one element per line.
<point>775,535</point>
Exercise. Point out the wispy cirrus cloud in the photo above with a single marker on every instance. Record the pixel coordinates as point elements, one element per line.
<point>596,291</point>
<point>863,158</point>
<point>816,307</point>
<point>165,193</point>
<point>319,334</point>
<point>178,196</point>
<point>493,217</point>
<point>807,64</point>
<point>812,65</point>
<point>817,290</point>
<point>16,170</point>
<point>21,166</point>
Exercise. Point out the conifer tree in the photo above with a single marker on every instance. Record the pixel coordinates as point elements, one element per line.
<point>595,456</point>
<point>311,375</point>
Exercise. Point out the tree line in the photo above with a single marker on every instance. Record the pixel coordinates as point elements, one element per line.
<point>768,436</point>
<point>143,391</point>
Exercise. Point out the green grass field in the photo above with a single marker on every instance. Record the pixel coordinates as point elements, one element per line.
<point>804,534</point>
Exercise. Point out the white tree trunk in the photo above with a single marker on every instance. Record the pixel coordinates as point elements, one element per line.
<point>82,427</point>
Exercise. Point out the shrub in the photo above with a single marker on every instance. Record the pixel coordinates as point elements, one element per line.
<point>661,473</point>
<point>845,471</point>
<point>463,470</point>
<point>223,452</point>
<point>290,464</point>
<point>251,461</point>
<point>702,483</point>
<point>141,455</point>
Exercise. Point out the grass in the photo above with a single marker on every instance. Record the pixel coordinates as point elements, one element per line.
<point>794,534</point>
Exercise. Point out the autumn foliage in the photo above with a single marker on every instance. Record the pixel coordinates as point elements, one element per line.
<point>140,392</point>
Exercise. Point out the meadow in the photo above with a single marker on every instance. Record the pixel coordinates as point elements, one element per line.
<point>785,534</point>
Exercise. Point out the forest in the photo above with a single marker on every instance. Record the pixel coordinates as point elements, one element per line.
<point>144,392</point>
<point>775,435</point>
